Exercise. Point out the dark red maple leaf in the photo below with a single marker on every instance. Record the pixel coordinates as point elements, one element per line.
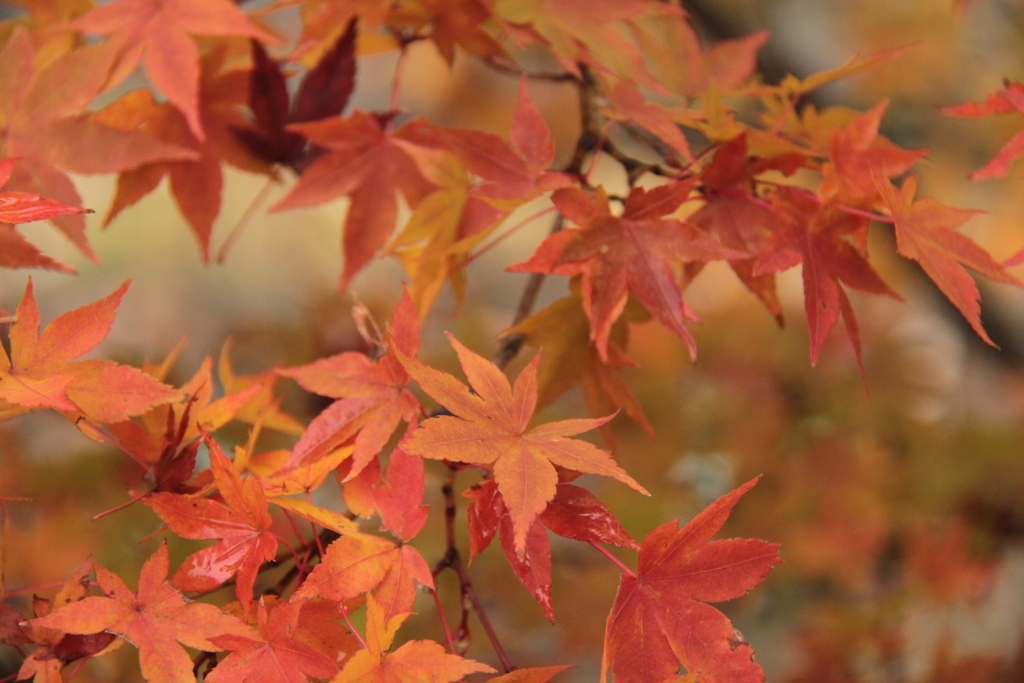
<point>659,621</point>
<point>323,92</point>
<point>57,648</point>
<point>735,215</point>
<point>637,252</point>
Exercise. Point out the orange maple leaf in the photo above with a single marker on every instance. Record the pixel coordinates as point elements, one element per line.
<point>39,373</point>
<point>157,620</point>
<point>491,427</point>
<point>243,525</point>
<point>357,563</point>
<point>157,33</point>
<point>413,662</point>
<point>657,625</point>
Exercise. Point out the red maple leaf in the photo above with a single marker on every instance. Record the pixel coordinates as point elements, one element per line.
<point>22,207</point>
<point>832,246</point>
<point>281,655</point>
<point>323,92</point>
<point>372,396</point>
<point>637,252</point>
<point>574,513</point>
<point>925,233</point>
<point>242,523</point>
<point>370,163</point>
<point>196,184</point>
<point>1007,100</point>
<point>158,33</point>
<point>490,424</point>
<point>659,621</point>
<point>155,620</point>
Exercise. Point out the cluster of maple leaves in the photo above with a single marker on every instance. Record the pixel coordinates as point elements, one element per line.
<point>793,186</point>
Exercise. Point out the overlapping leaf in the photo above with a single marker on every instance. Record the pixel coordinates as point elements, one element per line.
<point>358,563</point>
<point>242,523</point>
<point>490,425</point>
<point>158,34</point>
<point>285,652</point>
<point>157,620</point>
<point>637,252</point>
<point>372,398</point>
<point>413,662</point>
<point>573,513</point>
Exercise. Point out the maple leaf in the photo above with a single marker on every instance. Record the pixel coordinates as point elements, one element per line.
<point>196,184</point>
<point>323,92</point>
<point>39,373</point>
<point>372,396</point>
<point>57,648</point>
<point>21,207</point>
<point>451,23</point>
<point>516,171</point>
<point>683,66</point>
<point>157,34</point>
<point>738,218</point>
<point>925,233</point>
<point>530,675</point>
<point>573,513</point>
<point>832,246</point>
<point>1004,101</point>
<point>41,107</point>
<point>417,661</point>
<point>571,358</point>
<point>155,620</point>
<point>634,252</point>
<point>398,498</point>
<point>491,427</point>
<point>659,621</point>
<point>242,525</point>
<point>436,241</point>
<point>280,655</point>
<point>369,163</point>
<point>583,31</point>
<point>358,563</point>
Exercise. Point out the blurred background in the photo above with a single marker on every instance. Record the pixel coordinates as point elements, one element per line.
<point>900,514</point>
